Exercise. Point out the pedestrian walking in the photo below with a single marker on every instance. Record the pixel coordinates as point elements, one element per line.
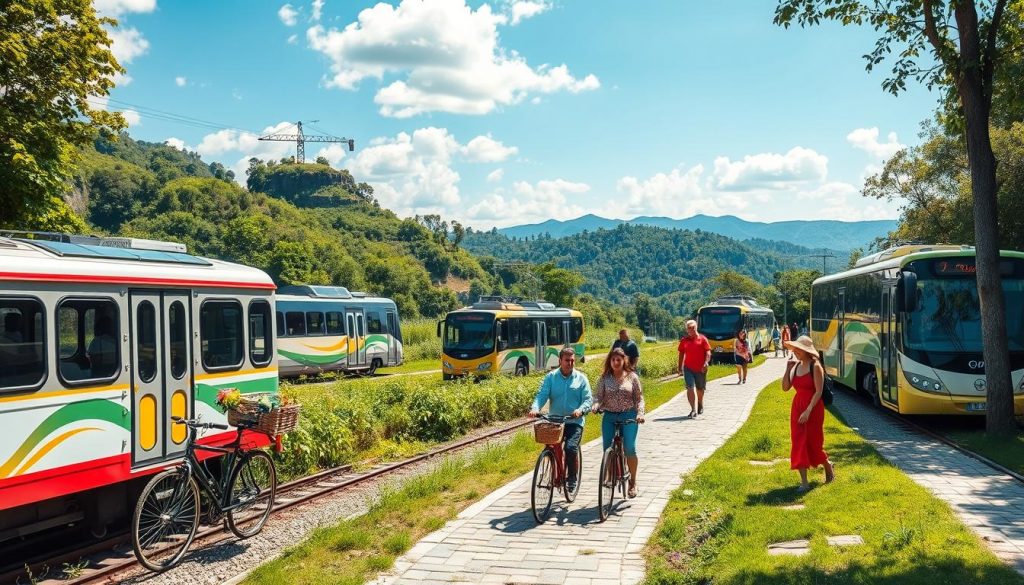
<point>568,391</point>
<point>629,347</point>
<point>694,358</point>
<point>621,398</point>
<point>741,355</point>
<point>807,412</point>
<point>776,339</point>
<point>785,339</point>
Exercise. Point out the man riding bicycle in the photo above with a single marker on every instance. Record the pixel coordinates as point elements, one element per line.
<point>568,391</point>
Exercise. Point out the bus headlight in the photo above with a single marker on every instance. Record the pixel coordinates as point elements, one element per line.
<point>718,349</point>
<point>484,366</point>
<point>925,384</point>
<point>447,365</point>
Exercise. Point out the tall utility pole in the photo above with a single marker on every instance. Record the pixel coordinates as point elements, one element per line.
<point>300,139</point>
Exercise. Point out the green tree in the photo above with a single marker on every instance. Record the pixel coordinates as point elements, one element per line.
<point>730,282</point>
<point>855,255</point>
<point>963,48</point>
<point>54,57</point>
<point>559,285</point>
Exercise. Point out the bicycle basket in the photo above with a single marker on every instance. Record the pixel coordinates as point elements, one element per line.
<point>548,433</point>
<point>277,421</point>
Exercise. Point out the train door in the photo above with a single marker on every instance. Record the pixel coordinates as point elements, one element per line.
<point>841,334</point>
<point>542,345</point>
<point>356,338</point>
<point>393,356</point>
<point>161,370</point>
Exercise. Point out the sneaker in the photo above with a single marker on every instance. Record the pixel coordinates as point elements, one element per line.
<point>700,409</point>
<point>693,414</point>
<point>571,486</point>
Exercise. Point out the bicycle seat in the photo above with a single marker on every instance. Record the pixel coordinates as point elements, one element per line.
<point>197,424</point>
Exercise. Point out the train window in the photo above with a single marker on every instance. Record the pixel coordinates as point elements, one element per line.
<point>296,323</point>
<point>374,323</point>
<point>177,329</point>
<point>22,344</point>
<point>315,324</point>
<point>221,335</point>
<point>335,323</point>
<point>261,340</point>
<point>145,341</point>
<point>88,332</point>
<point>577,329</point>
<point>281,332</point>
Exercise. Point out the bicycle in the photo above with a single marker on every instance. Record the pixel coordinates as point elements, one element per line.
<point>551,470</point>
<point>169,510</point>
<point>613,471</point>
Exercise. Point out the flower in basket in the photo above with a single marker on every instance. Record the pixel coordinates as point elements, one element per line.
<point>229,398</point>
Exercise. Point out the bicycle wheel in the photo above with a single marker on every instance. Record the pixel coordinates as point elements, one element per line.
<point>606,486</point>
<point>542,490</point>
<point>166,519</point>
<point>570,496</point>
<point>253,486</point>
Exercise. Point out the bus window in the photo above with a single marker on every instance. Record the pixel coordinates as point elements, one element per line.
<point>335,323</point>
<point>315,323</point>
<point>261,342</point>
<point>89,331</point>
<point>22,344</point>
<point>281,331</point>
<point>374,323</point>
<point>221,336</point>
<point>296,322</point>
<point>577,329</point>
<point>554,331</point>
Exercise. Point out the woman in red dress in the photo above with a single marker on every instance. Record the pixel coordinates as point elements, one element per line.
<point>807,413</point>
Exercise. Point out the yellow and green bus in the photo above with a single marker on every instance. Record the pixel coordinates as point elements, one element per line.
<point>904,326</point>
<point>722,319</point>
<point>507,335</point>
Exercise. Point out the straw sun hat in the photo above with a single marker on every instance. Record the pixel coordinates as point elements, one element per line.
<point>803,343</point>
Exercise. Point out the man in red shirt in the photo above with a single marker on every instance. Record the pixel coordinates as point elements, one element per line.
<point>694,357</point>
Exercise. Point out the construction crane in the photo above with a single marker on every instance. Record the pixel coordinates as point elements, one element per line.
<point>300,139</point>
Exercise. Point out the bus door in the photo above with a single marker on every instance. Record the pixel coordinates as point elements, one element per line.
<point>393,357</point>
<point>161,373</point>
<point>841,334</point>
<point>356,337</point>
<point>542,345</point>
<point>566,340</point>
<point>890,380</point>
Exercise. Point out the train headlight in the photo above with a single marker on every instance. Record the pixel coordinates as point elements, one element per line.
<point>447,365</point>
<point>484,366</point>
<point>925,384</point>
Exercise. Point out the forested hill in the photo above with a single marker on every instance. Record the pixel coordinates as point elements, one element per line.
<point>836,235</point>
<point>300,223</point>
<point>673,266</point>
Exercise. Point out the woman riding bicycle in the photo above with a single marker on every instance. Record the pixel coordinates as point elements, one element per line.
<point>621,398</point>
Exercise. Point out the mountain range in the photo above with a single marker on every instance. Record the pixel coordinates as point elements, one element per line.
<point>835,235</point>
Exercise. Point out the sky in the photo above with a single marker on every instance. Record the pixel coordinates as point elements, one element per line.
<point>518,111</point>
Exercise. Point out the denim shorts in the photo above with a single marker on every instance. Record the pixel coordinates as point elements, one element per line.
<point>698,379</point>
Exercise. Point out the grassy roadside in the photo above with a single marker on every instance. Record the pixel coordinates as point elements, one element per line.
<point>720,521</point>
<point>354,551</point>
<point>971,435</point>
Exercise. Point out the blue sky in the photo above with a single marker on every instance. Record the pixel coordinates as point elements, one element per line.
<point>517,111</point>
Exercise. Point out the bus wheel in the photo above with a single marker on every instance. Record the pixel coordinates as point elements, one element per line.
<point>373,367</point>
<point>447,377</point>
<point>522,368</point>
<point>869,383</point>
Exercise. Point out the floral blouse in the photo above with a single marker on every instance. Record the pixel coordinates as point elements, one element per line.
<point>614,396</point>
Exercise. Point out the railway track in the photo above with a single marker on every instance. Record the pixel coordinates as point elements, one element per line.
<point>102,561</point>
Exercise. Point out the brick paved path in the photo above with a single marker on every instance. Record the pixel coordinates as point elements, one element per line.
<point>497,540</point>
<point>990,503</point>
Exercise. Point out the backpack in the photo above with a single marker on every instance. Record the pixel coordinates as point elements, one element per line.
<point>827,394</point>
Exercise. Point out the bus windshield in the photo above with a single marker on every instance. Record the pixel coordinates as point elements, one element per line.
<point>948,315</point>
<point>719,321</point>
<point>470,332</point>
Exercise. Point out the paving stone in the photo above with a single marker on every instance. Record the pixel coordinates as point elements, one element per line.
<point>793,507</point>
<point>496,539</point>
<point>845,540</point>
<point>791,547</point>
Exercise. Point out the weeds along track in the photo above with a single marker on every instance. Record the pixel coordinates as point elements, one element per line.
<point>103,561</point>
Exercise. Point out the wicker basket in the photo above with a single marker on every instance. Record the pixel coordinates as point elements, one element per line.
<point>278,421</point>
<point>548,433</point>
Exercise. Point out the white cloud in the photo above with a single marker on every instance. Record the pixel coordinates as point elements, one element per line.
<point>526,202</point>
<point>288,15</point>
<point>117,8</point>
<point>843,201</point>
<point>495,176</point>
<point>678,193</point>
<point>318,9</point>
<point>176,143</point>
<point>180,81</point>
<point>770,170</point>
<point>132,118</point>
<point>487,149</point>
<point>866,139</point>
<point>127,44</point>
<point>520,10</point>
<point>334,153</point>
<point>293,40</point>
<point>225,145</point>
<point>447,53</point>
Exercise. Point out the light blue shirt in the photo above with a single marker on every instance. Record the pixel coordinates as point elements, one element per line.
<point>566,393</point>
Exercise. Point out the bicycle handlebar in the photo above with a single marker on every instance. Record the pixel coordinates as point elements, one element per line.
<point>554,418</point>
<point>195,424</point>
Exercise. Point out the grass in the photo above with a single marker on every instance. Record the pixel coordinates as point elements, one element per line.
<point>354,551</point>
<point>415,366</point>
<point>970,433</point>
<point>718,524</point>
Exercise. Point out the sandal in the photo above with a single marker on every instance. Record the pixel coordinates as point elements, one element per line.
<point>803,489</point>
<point>632,491</point>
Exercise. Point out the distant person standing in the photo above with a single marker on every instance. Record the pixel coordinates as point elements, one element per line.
<point>741,355</point>
<point>776,339</point>
<point>794,331</point>
<point>694,358</point>
<point>628,346</point>
<point>785,337</point>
